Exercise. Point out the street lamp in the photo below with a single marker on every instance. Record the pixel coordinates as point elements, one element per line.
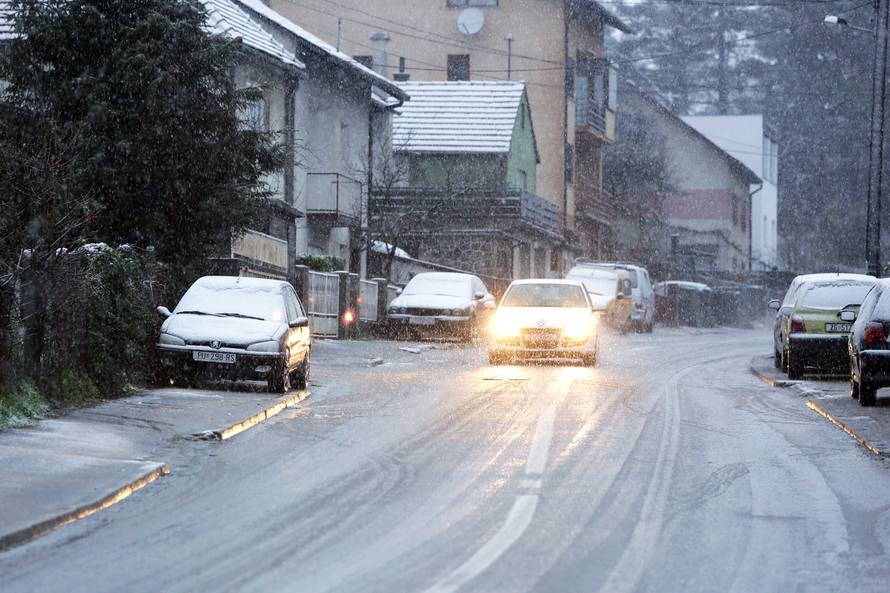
<point>876,135</point>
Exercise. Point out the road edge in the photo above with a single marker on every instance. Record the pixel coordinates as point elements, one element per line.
<point>228,432</point>
<point>37,530</point>
<point>769,380</point>
<point>845,427</point>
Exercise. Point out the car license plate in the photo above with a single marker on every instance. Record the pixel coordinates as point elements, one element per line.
<point>838,327</point>
<point>204,356</point>
<point>421,320</point>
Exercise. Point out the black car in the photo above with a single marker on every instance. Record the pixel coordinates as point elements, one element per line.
<point>868,346</point>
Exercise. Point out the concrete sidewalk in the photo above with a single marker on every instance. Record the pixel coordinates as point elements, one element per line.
<point>67,468</point>
<point>829,396</point>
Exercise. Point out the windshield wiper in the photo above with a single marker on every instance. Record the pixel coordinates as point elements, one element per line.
<point>197,313</point>
<point>241,316</point>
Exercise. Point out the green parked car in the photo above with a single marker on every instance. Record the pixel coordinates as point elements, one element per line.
<point>809,331</point>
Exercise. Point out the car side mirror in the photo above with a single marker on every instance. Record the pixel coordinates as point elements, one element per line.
<point>300,322</point>
<point>774,304</point>
<point>164,312</point>
<point>848,315</point>
<point>621,295</point>
<point>478,296</point>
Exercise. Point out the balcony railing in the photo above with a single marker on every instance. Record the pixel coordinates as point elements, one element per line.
<point>468,210</point>
<point>596,119</point>
<point>335,196</point>
<point>595,205</point>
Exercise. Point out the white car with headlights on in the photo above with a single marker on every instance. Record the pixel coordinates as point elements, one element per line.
<point>544,319</point>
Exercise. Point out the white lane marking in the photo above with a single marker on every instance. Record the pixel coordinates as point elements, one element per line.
<point>531,483</point>
<point>540,449</point>
<point>517,522</point>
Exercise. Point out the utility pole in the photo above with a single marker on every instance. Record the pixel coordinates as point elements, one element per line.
<point>509,39</point>
<point>876,140</point>
<point>339,31</point>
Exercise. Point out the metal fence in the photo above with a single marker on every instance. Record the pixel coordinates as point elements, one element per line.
<point>367,300</point>
<point>323,304</point>
<point>392,292</point>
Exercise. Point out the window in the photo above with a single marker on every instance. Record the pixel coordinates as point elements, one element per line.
<point>523,179</point>
<point>458,67</point>
<point>255,115</point>
<point>366,61</point>
<point>613,88</point>
<point>465,3</point>
<point>570,162</point>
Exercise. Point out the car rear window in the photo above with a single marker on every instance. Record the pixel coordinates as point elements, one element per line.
<point>835,295</point>
<point>544,295</point>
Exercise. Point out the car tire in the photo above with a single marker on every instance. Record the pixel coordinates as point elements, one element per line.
<point>867,394</point>
<point>777,359</point>
<point>279,379</point>
<point>300,377</point>
<point>854,388</point>
<point>795,367</point>
<point>784,360</point>
<point>649,327</point>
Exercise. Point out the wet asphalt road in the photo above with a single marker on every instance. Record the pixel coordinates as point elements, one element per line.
<point>668,467</point>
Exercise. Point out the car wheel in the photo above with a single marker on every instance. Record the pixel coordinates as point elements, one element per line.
<point>649,327</point>
<point>301,375</point>
<point>854,389</point>
<point>867,393</point>
<point>279,379</point>
<point>784,360</point>
<point>795,367</point>
<point>777,359</point>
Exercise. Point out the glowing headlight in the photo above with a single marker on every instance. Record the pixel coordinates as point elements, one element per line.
<point>502,327</point>
<point>582,327</point>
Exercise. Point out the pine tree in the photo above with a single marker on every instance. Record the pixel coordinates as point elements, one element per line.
<point>146,99</point>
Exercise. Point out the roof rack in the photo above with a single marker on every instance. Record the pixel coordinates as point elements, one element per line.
<point>580,261</point>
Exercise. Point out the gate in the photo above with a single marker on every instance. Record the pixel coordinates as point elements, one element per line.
<point>323,304</point>
<point>367,302</point>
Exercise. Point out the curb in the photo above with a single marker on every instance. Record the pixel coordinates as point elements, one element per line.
<point>264,414</point>
<point>770,381</point>
<point>34,531</point>
<point>843,426</point>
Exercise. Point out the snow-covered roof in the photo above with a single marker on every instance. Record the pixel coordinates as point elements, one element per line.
<point>380,81</point>
<point>225,17</point>
<point>458,116</point>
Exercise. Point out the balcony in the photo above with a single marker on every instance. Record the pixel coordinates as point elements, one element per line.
<point>599,121</point>
<point>262,248</point>
<point>595,205</point>
<point>333,198</point>
<point>474,210</point>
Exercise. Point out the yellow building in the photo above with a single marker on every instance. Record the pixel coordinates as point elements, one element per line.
<point>556,46</point>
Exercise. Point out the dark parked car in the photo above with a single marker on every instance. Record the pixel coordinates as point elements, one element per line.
<point>869,350</point>
<point>237,328</point>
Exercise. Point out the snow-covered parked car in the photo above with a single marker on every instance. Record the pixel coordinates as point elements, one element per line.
<point>443,303</point>
<point>237,328</point>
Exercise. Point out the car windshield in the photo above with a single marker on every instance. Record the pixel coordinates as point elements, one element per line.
<point>544,295</point>
<point>601,286</point>
<point>232,301</point>
<point>835,295</point>
<point>456,286</point>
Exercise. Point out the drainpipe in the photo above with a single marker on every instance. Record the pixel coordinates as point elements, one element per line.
<point>751,225</point>
<point>565,117</point>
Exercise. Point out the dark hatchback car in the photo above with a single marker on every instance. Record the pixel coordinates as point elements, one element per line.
<point>868,346</point>
<point>237,328</point>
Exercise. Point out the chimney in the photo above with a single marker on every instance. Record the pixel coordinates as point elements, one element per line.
<point>401,75</point>
<point>380,55</point>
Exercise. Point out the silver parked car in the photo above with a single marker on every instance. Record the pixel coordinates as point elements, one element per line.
<point>237,328</point>
<point>642,294</point>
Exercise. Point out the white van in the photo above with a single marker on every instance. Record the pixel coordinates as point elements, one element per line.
<point>642,312</point>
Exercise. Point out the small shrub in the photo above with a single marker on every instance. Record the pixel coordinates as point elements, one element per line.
<point>322,263</point>
<point>22,406</point>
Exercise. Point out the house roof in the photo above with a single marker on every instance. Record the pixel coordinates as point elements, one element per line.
<point>224,17</point>
<point>458,116</point>
<point>742,170</point>
<point>323,47</point>
<point>607,17</point>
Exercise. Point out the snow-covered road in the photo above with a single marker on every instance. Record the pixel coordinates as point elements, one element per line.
<point>668,467</point>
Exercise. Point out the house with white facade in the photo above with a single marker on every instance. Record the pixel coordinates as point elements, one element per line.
<point>748,139</point>
<point>340,104</point>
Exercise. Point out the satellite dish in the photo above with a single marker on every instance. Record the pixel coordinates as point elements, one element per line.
<point>470,21</point>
